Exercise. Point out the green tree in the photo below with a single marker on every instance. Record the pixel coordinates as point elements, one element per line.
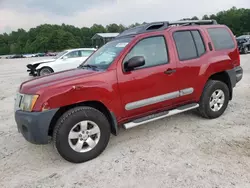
<point>114,28</point>
<point>205,17</point>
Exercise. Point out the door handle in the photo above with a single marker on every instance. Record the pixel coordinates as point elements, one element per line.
<point>170,71</point>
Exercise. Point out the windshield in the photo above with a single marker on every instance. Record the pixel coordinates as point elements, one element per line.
<point>104,56</point>
<point>60,54</point>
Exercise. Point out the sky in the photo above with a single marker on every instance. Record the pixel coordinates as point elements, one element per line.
<point>26,14</point>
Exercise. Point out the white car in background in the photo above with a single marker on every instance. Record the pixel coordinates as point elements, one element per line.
<point>68,59</point>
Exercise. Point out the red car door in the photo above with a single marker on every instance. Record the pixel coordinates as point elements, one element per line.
<point>150,87</point>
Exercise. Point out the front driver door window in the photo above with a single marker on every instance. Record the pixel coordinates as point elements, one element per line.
<point>74,54</point>
<point>71,61</point>
<point>152,49</point>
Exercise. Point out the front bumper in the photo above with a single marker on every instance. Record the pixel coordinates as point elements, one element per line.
<point>32,70</point>
<point>34,126</point>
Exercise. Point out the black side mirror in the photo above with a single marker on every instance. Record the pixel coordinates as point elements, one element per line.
<point>134,62</point>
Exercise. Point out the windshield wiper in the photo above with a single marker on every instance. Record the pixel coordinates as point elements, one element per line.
<point>88,66</point>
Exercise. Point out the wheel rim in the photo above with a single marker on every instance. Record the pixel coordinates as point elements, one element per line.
<point>84,136</point>
<point>217,100</point>
<point>246,49</point>
<point>45,72</point>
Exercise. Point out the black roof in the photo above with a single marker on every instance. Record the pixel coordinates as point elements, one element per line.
<point>158,26</point>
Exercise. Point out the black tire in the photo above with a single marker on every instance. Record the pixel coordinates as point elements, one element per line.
<point>67,121</point>
<point>44,70</point>
<point>204,108</point>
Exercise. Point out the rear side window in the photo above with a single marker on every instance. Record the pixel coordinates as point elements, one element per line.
<point>189,44</point>
<point>199,42</point>
<point>221,38</point>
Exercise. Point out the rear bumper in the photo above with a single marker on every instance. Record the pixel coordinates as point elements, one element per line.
<point>235,75</point>
<point>34,126</point>
<point>238,73</point>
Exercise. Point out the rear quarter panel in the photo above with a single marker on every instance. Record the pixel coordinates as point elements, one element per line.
<point>217,60</point>
<point>196,72</point>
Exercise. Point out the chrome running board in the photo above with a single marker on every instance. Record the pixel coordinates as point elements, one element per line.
<point>160,115</point>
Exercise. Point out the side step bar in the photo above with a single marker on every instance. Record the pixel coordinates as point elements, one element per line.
<point>160,115</point>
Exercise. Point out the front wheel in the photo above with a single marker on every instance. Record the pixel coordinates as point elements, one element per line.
<point>81,134</point>
<point>45,71</point>
<point>214,99</point>
<point>245,50</point>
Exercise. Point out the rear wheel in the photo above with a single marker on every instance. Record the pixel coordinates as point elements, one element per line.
<point>45,71</point>
<point>81,134</point>
<point>214,99</point>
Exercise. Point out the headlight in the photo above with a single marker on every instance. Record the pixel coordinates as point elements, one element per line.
<point>28,102</point>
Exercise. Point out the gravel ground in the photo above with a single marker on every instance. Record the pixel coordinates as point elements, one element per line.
<point>181,151</point>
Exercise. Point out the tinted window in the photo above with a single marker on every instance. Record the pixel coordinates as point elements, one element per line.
<point>185,45</point>
<point>153,49</point>
<point>199,42</point>
<point>221,38</point>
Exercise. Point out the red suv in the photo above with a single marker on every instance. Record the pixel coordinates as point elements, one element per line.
<point>144,74</point>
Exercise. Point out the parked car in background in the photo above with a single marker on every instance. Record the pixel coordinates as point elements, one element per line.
<point>145,74</point>
<point>50,54</point>
<point>17,56</point>
<point>39,55</point>
<point>65,60</point>
<point>243,42</point>
<point>28,55</point>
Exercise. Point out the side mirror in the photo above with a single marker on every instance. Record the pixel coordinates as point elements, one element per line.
<point>64,57</point>
<point>134,62</point>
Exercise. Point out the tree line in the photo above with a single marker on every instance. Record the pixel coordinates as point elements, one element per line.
<point>48,37</point>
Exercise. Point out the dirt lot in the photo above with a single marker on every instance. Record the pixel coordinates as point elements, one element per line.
<point>181,151</point>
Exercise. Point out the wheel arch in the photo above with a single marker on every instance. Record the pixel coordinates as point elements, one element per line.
<point>95,104</point>
<point>43,67</point>
<point>46,66</point>
<point>226,78</point>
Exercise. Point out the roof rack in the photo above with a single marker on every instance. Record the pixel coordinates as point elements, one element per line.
<point>194,22</point>
<point>157,26</point>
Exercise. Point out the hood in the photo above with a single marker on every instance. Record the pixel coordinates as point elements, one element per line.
<point>42,61</point>
<point>64,78</point>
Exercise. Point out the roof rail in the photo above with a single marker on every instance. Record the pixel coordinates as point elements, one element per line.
<point>157,26</point>
<point>194,22</point>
